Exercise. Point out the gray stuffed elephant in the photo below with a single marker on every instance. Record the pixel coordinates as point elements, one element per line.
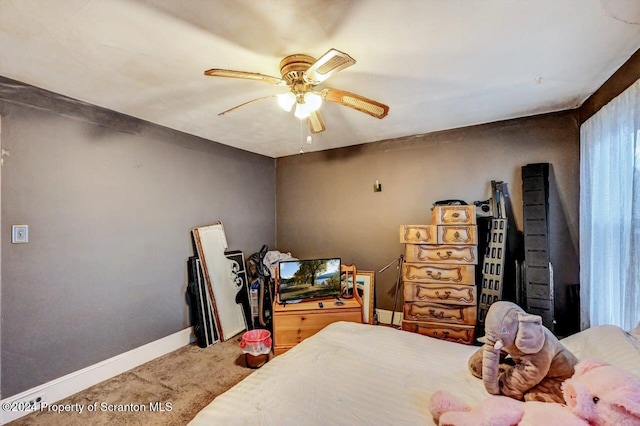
<point>540,362</point>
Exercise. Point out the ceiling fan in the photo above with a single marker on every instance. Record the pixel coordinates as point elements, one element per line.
<point>302,73</point>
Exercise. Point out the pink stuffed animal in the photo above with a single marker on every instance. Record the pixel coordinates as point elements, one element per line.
<point>598,394</point>
<point>603,394</point>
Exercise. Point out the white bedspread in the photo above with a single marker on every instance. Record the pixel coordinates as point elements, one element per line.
<point>357,374</point>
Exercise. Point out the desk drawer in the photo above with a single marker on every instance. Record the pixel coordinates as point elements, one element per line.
<point>436,312</point>
<point>292,329</point>
<point>441,253</point>
<point>438,273</point>
<point>436,293</point>
<point>457,234</point>
<point>454,215</point>
<point>418,234</point>
<point>452,333</point>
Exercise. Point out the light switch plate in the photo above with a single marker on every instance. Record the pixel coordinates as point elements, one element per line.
<point>19,234</point>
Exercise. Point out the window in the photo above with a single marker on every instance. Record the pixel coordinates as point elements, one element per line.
<point>610,213</point>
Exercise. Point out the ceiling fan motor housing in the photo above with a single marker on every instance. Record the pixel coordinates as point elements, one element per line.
<point>292,68</point>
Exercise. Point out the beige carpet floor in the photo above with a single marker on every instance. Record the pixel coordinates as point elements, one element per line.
<point>180,383</point>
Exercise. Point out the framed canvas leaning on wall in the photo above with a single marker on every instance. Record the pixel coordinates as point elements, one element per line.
<point>365,283</point>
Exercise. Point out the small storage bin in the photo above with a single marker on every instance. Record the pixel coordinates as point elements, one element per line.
<point>256,346</point>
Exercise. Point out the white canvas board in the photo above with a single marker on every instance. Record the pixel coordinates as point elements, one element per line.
<point>211,243</point>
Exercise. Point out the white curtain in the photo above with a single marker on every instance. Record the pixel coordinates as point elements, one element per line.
<point>610,213</point>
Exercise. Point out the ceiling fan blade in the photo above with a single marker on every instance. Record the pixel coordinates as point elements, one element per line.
<point>218,72</point>
<point>327,65</point>
<point>357,102</point>
<point>246,103</point>
<point>316,123</point>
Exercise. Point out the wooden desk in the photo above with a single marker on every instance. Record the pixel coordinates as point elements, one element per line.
<point>295,322</point>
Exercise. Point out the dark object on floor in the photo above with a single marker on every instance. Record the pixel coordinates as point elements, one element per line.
<point>202,318</point>
<point>260,284</point>
<point>256,361</point>
<point>538,271</point>
<point>501,245</point>
<point>239,274</point>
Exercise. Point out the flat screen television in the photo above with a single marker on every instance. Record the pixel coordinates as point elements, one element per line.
<point>301,280</point>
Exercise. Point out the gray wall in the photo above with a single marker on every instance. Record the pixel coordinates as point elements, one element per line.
<point>326,205</point>
<point>110,202</point>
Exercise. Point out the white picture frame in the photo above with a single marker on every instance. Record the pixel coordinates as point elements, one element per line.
<point>365,284</point>
<point>211,244</point>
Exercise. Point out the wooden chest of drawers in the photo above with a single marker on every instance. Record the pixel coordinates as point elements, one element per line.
<point>295,322</point>
<point>438,274</point>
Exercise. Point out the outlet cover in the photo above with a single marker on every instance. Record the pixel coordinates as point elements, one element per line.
<point>32,402</point>
<point>19,234</point>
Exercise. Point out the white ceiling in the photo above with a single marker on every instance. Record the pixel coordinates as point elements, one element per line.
<point>437,64</point>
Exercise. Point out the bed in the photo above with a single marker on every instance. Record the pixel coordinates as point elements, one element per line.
<point>359,374</point>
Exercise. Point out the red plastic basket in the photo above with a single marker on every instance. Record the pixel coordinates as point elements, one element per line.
<point>256,342</point>
<point>256,345</point>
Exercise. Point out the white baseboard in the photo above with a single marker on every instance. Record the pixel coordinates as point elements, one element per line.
<point>384,317</point>
<point>66,386</point>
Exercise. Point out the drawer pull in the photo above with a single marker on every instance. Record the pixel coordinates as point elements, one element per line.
<point>456,235</point>
<point>417,234</point>
<point>456,214</point>
<point>446,295</point>
<point>433,314</point>
<point>437,276</point>
<point>448,255</point>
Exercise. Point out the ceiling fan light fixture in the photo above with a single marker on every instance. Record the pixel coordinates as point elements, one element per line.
<point>286,101</point>
<point>302,111</point>
<point>313,101</point>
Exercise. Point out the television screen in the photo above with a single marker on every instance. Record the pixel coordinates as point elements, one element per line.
<point>308,279</point>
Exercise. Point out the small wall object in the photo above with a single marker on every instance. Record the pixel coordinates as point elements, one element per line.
<point>20,234</point>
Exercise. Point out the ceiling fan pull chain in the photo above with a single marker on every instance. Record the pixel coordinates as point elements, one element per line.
<point>301,150</point>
